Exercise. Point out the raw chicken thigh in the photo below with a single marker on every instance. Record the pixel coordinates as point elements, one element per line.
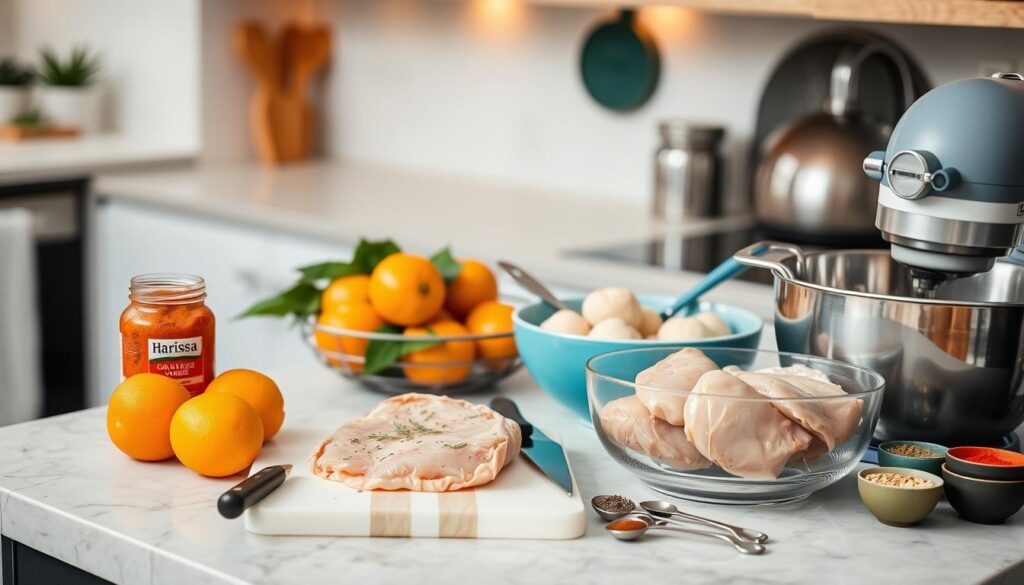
<point>627,422</point>
<point>748,438</point>
<point>419,442</point>
<point>679,372</point>
<point>809,414</point>
<point>843,415</point>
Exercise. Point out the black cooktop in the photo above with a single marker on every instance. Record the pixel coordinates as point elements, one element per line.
<point>703,252</point>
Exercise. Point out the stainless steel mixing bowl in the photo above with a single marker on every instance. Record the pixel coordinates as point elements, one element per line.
<point>952,358</point>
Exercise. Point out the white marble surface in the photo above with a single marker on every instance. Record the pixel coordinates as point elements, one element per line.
<point>34,160</point>
<point>342,202</point>
<point>65,490</point>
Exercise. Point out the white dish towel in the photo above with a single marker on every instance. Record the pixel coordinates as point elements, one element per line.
<point>21,390</point>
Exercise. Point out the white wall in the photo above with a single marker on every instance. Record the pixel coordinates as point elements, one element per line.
<point>226,83</point>
<point>150,53</point>
<point>439,85</point>
<point>6,28</point>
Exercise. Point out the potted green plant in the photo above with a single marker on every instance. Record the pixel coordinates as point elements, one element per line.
<point>69,95</point>
<point>14,89</point>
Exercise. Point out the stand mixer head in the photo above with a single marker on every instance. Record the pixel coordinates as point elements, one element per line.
<point>951,199</point>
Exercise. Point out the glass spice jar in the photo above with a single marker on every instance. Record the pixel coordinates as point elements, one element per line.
<point>168,329</point>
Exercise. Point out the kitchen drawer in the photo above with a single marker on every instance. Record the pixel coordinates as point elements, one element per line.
<point>24,565</point>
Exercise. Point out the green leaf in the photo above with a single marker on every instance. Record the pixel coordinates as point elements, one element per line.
<point>446,264</point>
<point>369,254</point>
<point>328,270</point>
<point>380,353</point>
<point>301,300</point>
<point>366,257</point>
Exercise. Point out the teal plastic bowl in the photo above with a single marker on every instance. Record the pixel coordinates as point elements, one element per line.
<point>557,361</point>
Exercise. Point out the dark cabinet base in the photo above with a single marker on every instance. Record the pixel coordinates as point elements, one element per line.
<point>25,565</point>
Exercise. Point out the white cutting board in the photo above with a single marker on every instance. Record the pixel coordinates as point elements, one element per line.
<point>520,503</point>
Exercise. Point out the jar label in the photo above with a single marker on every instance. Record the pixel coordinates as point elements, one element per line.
<point>180,359</point>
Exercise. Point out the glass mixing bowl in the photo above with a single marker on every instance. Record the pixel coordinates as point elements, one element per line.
<point>610,376</point>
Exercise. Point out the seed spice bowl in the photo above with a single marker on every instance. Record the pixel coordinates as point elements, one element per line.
<point>899,505</point>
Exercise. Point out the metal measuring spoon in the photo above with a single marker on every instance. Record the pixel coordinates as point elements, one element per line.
<point>527,281</point>
<point>661,509</point>
<point>633,526</point>
<point>607,513</point>
<point>667,509</point>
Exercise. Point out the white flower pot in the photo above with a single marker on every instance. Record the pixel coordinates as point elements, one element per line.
<point>71,106</point>
<point>13,101</point>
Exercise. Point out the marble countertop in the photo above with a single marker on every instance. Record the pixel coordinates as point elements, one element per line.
<point>66,491</point>
<point>342,202</point>
<point>54,158</point>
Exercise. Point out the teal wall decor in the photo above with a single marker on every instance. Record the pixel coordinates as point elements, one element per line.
<point>619,63</point>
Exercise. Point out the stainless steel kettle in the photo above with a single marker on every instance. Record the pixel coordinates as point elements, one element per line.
<point>809,185</point>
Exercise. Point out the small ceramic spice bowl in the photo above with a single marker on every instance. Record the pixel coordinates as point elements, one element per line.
<point>899,505</point>
<point>986,463</point>
<point>912,455</point>
<point>983,501</point>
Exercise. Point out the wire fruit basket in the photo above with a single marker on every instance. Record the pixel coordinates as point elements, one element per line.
<point>342,350</point>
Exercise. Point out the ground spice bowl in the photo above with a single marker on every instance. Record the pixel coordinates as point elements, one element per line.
<point>958,460</point>
<point>932,465</point>
<point>899,506</point>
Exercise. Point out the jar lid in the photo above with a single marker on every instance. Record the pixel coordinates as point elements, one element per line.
<point>683,134</point>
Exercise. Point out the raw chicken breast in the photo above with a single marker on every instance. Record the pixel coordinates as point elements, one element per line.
<point>627,422</point>
<point>809,414</point>
<point>676,376</point>
<point>419,442</point>
<point>748,438</point>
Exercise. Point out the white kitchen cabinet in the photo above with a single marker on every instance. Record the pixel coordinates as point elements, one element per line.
<point>241,264</point>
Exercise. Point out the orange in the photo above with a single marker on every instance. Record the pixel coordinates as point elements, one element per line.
<point>354,315</point>
<point>488,318</point>
<point>406,289</point>
<point>139,415</point>
<point>474,285</point>
<point>347,288</point>
<point>216,434</point>
<point>259,391</point>
<point>451,351</point>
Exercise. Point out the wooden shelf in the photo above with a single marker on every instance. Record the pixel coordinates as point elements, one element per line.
<point>976,13</point>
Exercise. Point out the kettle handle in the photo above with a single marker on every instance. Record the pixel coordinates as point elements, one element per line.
<point>759,255</point>
<point>845,78</point>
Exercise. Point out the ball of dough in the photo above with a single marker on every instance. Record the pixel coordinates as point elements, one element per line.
<point>566,321</point>
<point>614,328</point>
<point>606,303</point>
<point>651,322</point>
<point>714,323</point>
<point>683,329</point>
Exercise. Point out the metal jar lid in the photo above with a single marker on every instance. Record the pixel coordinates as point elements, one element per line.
<point>678,133</point>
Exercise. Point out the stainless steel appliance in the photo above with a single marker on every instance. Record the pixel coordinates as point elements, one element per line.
<point>687,171</point>
<point>952,361</point>
<point>833,98</point>
<point>809,180</point>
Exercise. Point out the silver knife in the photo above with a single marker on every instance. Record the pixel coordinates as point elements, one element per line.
<point>546,454</point>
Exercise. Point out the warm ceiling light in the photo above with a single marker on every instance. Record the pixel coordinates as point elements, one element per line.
<point>668,21</point>
<point>497,16</point>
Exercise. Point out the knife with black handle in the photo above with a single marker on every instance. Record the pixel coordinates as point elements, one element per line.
<point>546,454</point>
<point>252,489</point>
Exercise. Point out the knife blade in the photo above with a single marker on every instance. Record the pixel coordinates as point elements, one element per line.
<point>546,454</point>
